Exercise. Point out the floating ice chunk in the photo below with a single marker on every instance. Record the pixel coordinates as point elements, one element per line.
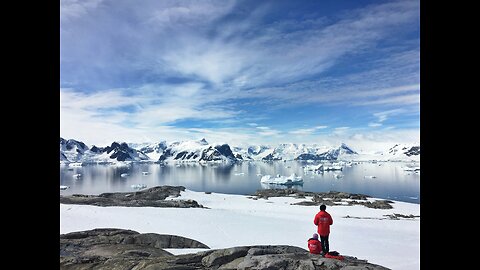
<point>314,168</point>
<point>138,186</point>
<point>145,173</point>
<point>78,175</point>
<point>63,187</point>
<point>333,167</point>
<point>124,174</point>
<point>75,164</point>
<point>337,175</point>
<point>239,173</point>
<point>282,180</point>
<point>370,176</point>
<point>412,169</point>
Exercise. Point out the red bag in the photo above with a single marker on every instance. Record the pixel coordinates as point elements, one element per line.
<point>334,255</point>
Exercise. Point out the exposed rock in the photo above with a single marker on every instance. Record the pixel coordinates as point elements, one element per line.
<point>328,198</point>
<point>154,197</point>
<point>126,249</point>
<point>116,248</point>
<point>413,151</point>
<point>271,157</point>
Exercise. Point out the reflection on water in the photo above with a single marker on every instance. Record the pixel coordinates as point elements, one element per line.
<point>390,181</point>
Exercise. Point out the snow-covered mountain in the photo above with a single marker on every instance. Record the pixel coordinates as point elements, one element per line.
<point>199,151</point>
<point>404,151</point>
<point>71,150</point>
<point>152,150</point>
<point>341,152</point>
<point>120,152</point>
<point>292,151</point>
<point>398,152</point>
<point>76,151</point>
<point>202,151</point>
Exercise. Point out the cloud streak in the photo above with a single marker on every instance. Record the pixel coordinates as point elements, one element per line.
<point>190,68</point>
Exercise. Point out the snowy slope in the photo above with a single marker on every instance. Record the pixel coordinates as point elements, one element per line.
<point>292,151</point>
<point>398,152</point>
<point>152,150</point>
<point>197,151</point>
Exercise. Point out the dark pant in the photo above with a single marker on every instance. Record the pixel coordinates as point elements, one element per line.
<point>324,240</point>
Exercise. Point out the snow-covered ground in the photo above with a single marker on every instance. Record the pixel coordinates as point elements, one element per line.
<point>236,220</point>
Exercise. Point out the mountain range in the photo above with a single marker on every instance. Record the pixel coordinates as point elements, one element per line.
<point>201,151</point>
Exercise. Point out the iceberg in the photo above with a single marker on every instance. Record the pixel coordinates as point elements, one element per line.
<point>315,168</point>
<point>411,169</point>
<point>75,164</point>
<point>282,180</point>
<point>138,186</point>
<point>333,167</point>
<point>63,187</point>
<point>337,175</point>
<point>124,174</point>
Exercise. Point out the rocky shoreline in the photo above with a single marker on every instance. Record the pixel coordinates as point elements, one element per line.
<point>156,197</point>
<point>112,248</point>
<point>153,197</point>
<point>328,198</point>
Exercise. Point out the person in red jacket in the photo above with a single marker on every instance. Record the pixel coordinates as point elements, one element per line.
<point>323,220</point>
<point>314,245</point>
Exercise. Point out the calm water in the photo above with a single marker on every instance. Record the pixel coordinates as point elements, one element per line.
<point>391,182</point>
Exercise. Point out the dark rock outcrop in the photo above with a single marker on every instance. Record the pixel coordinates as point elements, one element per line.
<point>122,152</point>
<point>271,157</point>
<point>413,151</point>
<point>204,152</point>
<point>327,198</point>
<point>154,197</point>
<point>70,144</point>
<point>126,249</point>
<point>116,248</point>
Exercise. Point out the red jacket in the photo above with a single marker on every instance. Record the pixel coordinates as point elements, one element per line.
<point>314,246</point>
<point>323,220</point>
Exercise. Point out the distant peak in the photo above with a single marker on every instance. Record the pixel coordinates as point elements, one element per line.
<point>203,141</point>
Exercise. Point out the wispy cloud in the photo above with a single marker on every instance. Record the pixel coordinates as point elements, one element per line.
<point>70,9</point>
<point>267,131</point>
<point>232,68</point>
<point>307,131</point>
<point>383,116</point>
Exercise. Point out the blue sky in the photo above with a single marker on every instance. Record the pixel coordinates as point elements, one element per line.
<point>243,72</point>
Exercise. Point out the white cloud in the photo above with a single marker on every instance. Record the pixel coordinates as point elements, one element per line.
<point>267,131</point>
<point>304,131</point>
<point>412,99</point>
<point>384,115</point>
<point>215,63</point>
<point>307,131</point>
<point>70,9</point>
